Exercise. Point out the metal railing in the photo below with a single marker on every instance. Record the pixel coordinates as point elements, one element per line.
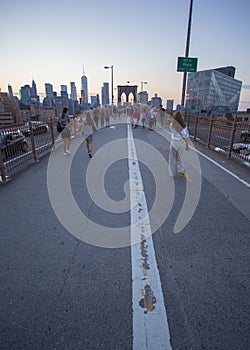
<point>229,136</point>
<point>19,146</point>
<point>23,144</point>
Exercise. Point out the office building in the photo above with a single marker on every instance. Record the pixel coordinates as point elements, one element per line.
<point>34,101</point>
<point>9,110</point>
<point>93,100</point>
<point>156,101</point>
<point>59,105</point>
<point>214,92</point>
<point>229,70</point>
<point>82,99</point>
<point>49,91</point>
<point>73,92</point>
<point>10,91</point>
<point>170,105</point>
<point>33,92</point>
<point>98,100</point>
<point>73,99</point>
<point>84,88</point>
<point>64,95</point>
<point>49,100</point>
<point>25,94</point>
<point>143,97</point>
<point>105,94</point>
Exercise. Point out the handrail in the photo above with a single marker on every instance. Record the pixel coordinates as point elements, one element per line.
<point>215,133</point>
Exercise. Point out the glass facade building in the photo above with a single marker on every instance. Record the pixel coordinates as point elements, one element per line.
<point>213,92</point>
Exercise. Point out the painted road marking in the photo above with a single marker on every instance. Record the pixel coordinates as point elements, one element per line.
<point>150,325</point>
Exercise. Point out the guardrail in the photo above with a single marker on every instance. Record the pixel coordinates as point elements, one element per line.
<point>220,134</point>
<point>217,133</point>
<point>22,144</point>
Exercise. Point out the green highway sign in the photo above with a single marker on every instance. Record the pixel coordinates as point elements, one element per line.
<point>187,64</point>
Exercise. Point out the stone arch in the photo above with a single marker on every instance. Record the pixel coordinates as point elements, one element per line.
<point>127,89</point>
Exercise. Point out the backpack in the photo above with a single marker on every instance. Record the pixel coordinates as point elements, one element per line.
<point>59,127</point>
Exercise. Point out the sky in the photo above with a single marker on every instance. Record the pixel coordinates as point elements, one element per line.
<point>51,41</point>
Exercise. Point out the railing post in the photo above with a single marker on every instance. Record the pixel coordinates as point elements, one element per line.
<point>74,123</point>
<point>52,131</point>
<point>210,132</point>
<point>32,142</point>
<point>195,126</point>
<point>2,169</point>
<point>232,138</point>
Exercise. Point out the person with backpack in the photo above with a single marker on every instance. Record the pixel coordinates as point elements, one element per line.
<point>64,122</point>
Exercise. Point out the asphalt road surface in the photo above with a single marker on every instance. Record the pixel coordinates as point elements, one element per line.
<point>65,284</point>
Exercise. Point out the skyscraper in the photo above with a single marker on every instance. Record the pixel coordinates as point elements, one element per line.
<point>143,97</point>
<point>156,101</point>
<point>64,95</point>
<point>10,90</point>
<point>49,91</point>
<point>33,90</point>
<point>84,86</point>
<point>170,105</point>
<point>73,92</point>
<point>73,99</point>
<point>34,98</point>
<point>105,94</point>
<point>25,94</point>
<point>49,100</point>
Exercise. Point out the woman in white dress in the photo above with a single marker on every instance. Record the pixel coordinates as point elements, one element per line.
<point>179,142</point>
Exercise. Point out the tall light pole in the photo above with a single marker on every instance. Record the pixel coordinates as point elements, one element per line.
<point>112,84</point>
<point>143,82</point>
<point>187,53</point>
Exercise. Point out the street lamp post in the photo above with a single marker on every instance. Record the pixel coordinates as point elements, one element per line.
<point>112,85</point>
<point>143,82</point>
<point>187,53</point>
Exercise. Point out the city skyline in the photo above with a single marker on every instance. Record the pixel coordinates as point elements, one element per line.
<point>141,40</point>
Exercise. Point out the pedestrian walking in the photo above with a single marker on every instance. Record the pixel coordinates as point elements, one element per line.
<point>135,118</point>
<point>96,116</point>
<point>162,113</point>
<point>152,118</point>
<point>143,117</point>
<point>89,127</point>
<point>107,117</point>
<point>64,121</point>
<point>179,142</point>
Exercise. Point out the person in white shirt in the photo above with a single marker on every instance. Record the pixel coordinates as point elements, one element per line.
<point>179,142</point>
<point>152,118</point>
<point>89,127</point>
